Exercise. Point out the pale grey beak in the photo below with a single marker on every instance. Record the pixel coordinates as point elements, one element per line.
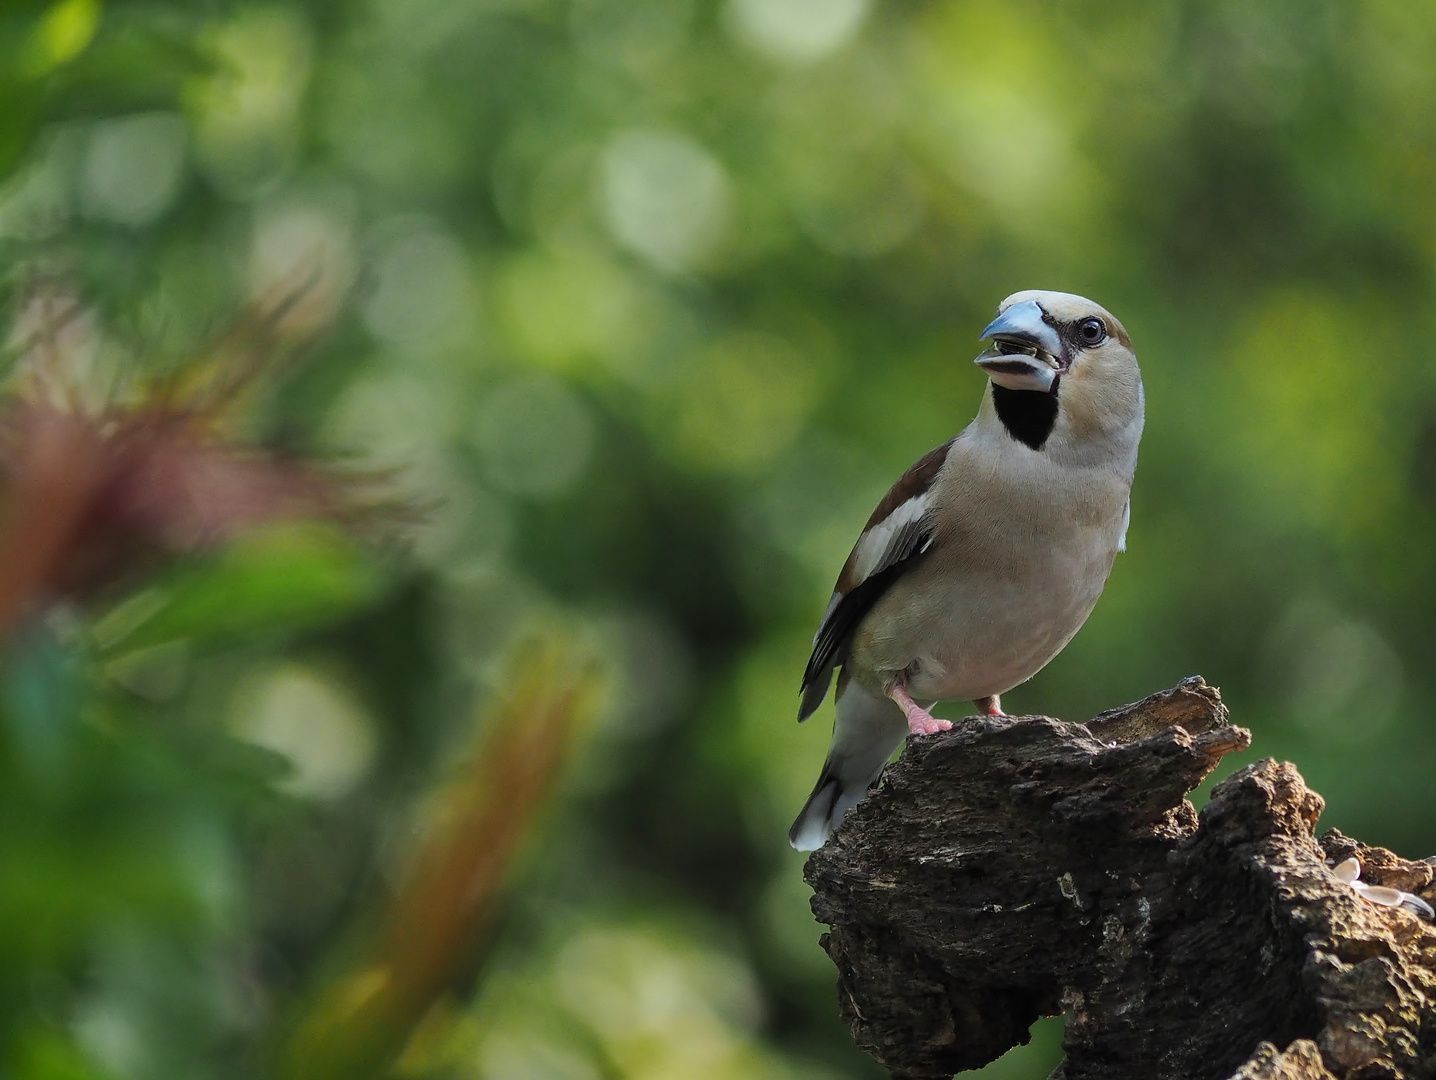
<point>1026,353</point>
<point>1024,323</point>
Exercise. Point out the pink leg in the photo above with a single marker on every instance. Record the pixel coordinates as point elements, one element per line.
<point>989,706</point>
<point>919,720</point>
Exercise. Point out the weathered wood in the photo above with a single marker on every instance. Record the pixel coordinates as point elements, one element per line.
<point>1017,867</point>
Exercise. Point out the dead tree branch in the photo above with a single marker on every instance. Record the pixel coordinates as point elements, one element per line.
<point>1020,867</point>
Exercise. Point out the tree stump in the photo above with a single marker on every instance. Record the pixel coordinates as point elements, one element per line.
<point>1018,867</point>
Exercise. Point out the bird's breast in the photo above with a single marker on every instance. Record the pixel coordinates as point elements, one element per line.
<point>1012,576</point>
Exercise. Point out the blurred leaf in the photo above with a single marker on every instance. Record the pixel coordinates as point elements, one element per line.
<point>42,690</point>
<point>362,1020</point>
<point>281,579</point>
<point>47,1054</point>
<point>20,114</point>
<point>64,32</point>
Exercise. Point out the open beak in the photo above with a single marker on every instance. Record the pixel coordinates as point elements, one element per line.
<point>1026,353</point>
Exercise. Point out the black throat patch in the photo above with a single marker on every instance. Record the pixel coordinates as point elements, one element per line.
<point>1028,415</point>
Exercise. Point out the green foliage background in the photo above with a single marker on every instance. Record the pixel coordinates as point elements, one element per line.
<point>650,300</point>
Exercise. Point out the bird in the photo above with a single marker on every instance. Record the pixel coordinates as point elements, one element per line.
<point>986,557</point>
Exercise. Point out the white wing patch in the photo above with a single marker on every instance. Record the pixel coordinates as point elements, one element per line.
<point>1126,520</point>
<point>875,548</point>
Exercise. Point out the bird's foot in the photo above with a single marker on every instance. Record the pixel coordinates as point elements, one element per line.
<point>919,720</point>
<point>989,706</point>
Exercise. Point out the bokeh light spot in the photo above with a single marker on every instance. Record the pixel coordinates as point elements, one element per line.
<point>133,168</point>
<point>665,197</point>
<point>1342,680</point>
<point>536,436</point>
<point>564,307</point>
<point>313,721</point>
<point>663,1008</point>
<point>302,254</point>
<point>796,31</point>
<point>742,402</point>
<point>247,105</point>
<point>423,295</point>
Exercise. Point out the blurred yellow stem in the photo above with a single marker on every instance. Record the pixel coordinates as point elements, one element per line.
<point>362,1021</point>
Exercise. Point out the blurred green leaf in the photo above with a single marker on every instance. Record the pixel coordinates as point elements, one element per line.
<point>60,35</point>
<point>42,688</point>
<point>47,1054</point>
<point>278,580</point>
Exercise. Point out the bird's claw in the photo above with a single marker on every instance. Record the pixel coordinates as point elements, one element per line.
<point>919,720</point>
<point>927,724</point>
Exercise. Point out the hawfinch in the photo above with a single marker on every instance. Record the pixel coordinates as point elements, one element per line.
<point>988,554</point>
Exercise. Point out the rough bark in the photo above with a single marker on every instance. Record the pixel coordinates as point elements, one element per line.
<point>1017,867</point>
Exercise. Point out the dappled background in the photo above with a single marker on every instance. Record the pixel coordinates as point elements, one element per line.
<point>426,368</point>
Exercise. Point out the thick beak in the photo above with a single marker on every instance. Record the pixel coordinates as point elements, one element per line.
<point>1026,353</point>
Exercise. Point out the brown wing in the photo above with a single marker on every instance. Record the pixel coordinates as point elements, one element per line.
<point>897,534</point>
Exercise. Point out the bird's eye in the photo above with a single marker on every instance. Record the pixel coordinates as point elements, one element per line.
<point>1093,331</point>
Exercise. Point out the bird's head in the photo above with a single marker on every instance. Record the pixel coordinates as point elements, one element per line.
<point>1043,342</point>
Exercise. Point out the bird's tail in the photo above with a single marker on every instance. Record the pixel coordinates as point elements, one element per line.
<point>822,812</point>
<point>868,729</point>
